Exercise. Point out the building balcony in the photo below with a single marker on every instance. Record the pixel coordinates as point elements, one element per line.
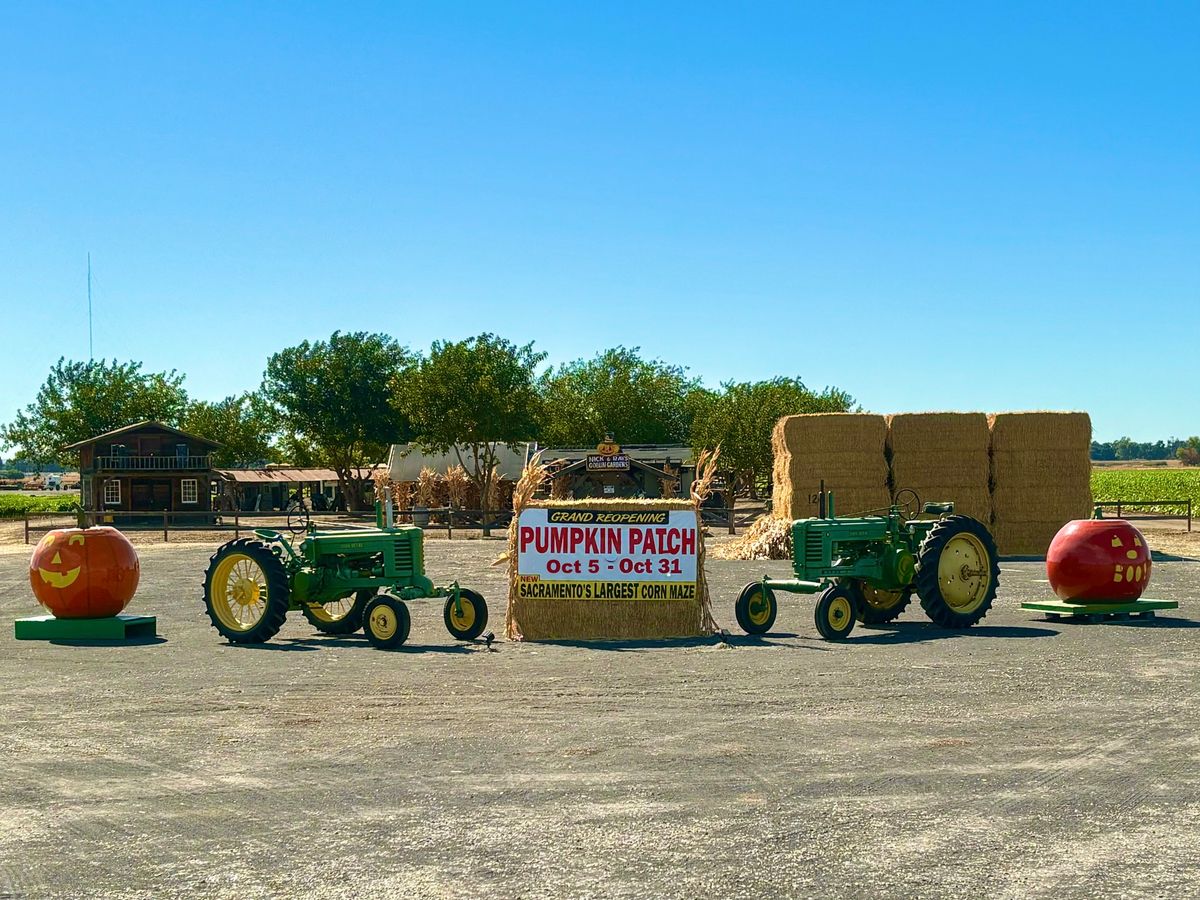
<point>150,463</point>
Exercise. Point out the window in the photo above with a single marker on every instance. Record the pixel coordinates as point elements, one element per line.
<point>188,492</point>
<point>112,492</point>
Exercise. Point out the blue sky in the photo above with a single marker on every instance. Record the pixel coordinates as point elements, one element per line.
<point>933,206</point>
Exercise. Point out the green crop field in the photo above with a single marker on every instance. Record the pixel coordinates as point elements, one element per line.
<point>12,505</point>
<point>1148,484</point>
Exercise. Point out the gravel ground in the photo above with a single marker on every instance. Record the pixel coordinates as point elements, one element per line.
<point>1022,758</point>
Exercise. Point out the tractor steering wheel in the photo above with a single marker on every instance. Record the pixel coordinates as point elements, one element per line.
<point>908,501</point>
<point>298,517</point>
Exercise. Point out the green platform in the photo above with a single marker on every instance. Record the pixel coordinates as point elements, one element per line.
<point>114,628</point>
<point>1097,612</point>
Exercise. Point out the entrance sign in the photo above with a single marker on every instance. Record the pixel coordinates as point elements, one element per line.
<point>606,554</point>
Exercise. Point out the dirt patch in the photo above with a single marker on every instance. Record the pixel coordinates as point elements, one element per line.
<point>1022,758</point>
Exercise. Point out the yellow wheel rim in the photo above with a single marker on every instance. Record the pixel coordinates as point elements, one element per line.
<point>238,592</point>
<point>384,622</point>
<point>964,572</point>
<point>466,618</point>
<point>758,610</point>
<point>839,612</point>
<point>880,599</point>
<point>334,610</point>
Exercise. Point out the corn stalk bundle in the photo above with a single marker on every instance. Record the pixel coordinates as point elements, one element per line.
<point>542,620</point>
<point>845,450</point>
<point>458,485</point>
<point>768,537</point>
<point>427,488</point>
<point>943,456</point>
<point>1040,476</point>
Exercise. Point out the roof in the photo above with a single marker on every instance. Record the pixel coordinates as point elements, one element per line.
<point>140,426</point>
<point>280,475</point>
<point>650,453</point>
<point>633,464</point>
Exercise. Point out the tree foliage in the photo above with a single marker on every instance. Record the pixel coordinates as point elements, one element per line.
<point>242,425</point>
<point>333,398</point>
<point>740,417</point>
<point>473,396</point>
<point>82,399</point>
<point>640,401</point>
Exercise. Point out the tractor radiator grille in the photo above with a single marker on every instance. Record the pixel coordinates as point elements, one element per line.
<point>814,554</point>
<point>404,556</point>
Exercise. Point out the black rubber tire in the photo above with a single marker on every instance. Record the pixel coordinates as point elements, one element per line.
<point>386,640</point>
<point>928,557</point>
<point>278,591</point>
<point>742,610</point>
<point>873,615</point>
<point>834,621</point>
<point>481,615</point>
<point>347,624</point>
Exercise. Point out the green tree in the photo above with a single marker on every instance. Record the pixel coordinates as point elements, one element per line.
<point>83,399</point>
<point>333,398</point>
<point>640,401</point>
<point>473,396</point>
<point>1189,452</point>
<point>243,425</point>
<point>740,417</point>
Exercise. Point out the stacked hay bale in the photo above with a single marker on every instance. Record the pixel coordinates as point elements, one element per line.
<point>1041,477</point>
<point>943,456</point>
<point>846,450</point>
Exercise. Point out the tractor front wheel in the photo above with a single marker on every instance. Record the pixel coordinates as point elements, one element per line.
<point>386,622</point>
<point>957,572</point>
<point>835,613</point>
<point>246,591</point>
<point>341,616</point>
<point>468,621</point>
<point>756,608</point>
<point>874,606</point>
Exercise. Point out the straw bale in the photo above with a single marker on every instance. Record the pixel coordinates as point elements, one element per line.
<point>1024,538</point>
<point>1040,477</point>
<point>845,450</point>
<point>547,620</point>
<point>1041,430</point>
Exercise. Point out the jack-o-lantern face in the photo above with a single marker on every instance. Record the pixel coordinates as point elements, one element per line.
<point>1098,559</point>
<point>84,573</point>
<point>63,573</point>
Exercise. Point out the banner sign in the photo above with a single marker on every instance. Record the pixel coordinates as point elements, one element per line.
<point>616,462</point>
<point>606,554</point>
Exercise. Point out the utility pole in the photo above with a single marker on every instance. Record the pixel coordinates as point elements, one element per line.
<point>91,355</point>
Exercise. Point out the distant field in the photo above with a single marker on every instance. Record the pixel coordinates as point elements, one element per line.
<point>1148,484</point>
<point>19,504</point>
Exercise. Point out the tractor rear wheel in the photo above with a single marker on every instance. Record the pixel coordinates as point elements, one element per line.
<point>386,622</point>
<point>246,591</point>
<point>874,606</point>
<point>756,608</point>
<point>835,613</point>
<point>471,618</point>
<point>341,616</point>
<point>957,572</point>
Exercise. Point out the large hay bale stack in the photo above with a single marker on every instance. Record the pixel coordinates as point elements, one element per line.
<point>1041,477</point>
<point>943,456</point>
<point>845,450</point>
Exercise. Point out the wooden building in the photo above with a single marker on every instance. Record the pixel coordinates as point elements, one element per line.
<point>610,470</point>
<point>147,468</point>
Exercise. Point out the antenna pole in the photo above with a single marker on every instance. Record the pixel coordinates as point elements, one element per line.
<point>91,355</point>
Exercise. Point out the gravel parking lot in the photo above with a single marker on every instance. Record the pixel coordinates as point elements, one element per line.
<point>1023,758</point>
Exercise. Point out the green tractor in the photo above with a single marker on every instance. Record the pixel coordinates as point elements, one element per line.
<point>340,581</point>
<point>867,568</point>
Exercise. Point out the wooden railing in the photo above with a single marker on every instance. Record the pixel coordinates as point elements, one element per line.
<point>165,462</point>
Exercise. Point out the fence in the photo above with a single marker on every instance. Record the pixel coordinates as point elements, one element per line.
<point>444,518</point>
<point>1121,505</point>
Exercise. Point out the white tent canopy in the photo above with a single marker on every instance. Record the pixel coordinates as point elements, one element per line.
<point>405,462</point>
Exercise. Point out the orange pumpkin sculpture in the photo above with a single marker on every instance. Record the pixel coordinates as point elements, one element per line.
<point>1093,560</point>
<point>84,573</point>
